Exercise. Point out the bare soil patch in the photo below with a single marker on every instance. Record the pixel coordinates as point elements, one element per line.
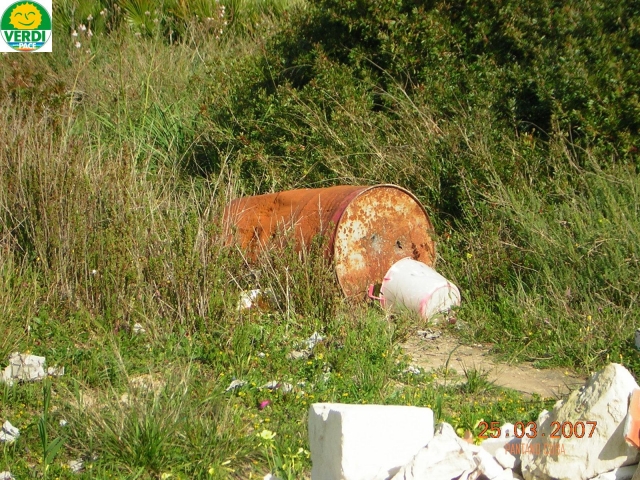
<point>434,349</point>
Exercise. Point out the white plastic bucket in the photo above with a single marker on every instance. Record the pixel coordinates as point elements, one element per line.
<point>413,285</point>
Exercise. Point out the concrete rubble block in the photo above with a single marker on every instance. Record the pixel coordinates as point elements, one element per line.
<point>24,367</point>
<point>491,445</point>
<point>622,473</point>
<point>365,442</point>
<point>604,399</point>
<point>506,459</point>
<point>8,433</point>
<point>445,457</point>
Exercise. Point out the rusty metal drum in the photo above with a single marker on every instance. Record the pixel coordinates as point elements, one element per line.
<point>368,228</point>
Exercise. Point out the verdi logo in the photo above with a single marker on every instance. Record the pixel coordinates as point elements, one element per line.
<point>26,27</point>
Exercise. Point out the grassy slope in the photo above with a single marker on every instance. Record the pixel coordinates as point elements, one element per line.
<point>106,221</point>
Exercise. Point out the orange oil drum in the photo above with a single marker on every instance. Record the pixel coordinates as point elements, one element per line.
<point>368,228</point>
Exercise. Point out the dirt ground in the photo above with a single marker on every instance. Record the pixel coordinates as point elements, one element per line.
<point>431,349</point>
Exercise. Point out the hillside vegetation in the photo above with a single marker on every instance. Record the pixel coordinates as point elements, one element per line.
<point>514,122</point>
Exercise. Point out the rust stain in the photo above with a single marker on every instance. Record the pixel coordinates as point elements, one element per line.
<point>369,228</point>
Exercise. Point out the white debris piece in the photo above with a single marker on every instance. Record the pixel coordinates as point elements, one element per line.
<point>601,407</point>
<point>313,340</point>
<point>138,329</point>
<point>63,423</point>
<point>622,473</point>
<point>276,385</point>
<point>9,433</point>
<point>505,458</point>
<point>255,299</point>
<point>76,466</point>
<point>25,367</point>
<point>365,442</point>
<point>235,385</point>
<point>55,371</point>
<point>412,369</point>
<point>6,476</point>
<point>270,476</point>
<point>446,456</point>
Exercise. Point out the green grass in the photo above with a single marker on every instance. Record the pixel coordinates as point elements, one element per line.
<point>118,157</point>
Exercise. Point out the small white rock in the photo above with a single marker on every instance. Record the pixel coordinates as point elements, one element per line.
<point>76,466</point>
<point>505,458</point>
<point>138,329</point>
<point>9,433</point>
<point>6,476</point>
<point>235,385</point>
<point>63,423</point>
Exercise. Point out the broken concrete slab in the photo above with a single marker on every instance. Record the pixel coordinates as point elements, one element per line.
<point>8,433</point>
<point>447,456</point>
<point>365,442</point>
<point>24,367</point>
<point>27,368</point>
<point>622,473</point>
<point>601,406</point>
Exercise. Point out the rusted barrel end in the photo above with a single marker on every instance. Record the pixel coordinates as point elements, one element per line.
<point>369,228</point>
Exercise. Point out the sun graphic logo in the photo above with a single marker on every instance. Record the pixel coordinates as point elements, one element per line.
<point>25,26</point>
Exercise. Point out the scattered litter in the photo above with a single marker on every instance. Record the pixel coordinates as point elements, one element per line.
<point>298,354</point>
<point>76,466</point>
<point>235,385</point>
<point>264,404</point>
<point>428,334</point>
<point>6,476</point>
<point>25,367</point>
<point>275,385</point>
<point>310,344</point>
<point>412,369</point>
<point>9,433</point>
<point>262,354</point>
<point>313,340</point>
<point>263,300</point>
<point>55,371</point>
<point>138,329</point>
<point>63,423</point>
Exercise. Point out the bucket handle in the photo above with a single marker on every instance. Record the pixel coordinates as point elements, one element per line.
<point>370,293</point>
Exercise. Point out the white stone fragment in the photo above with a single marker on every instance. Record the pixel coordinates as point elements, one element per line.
<point>55,371</point>
<point>487,465</point>
<point>6,476</point>
<point>313,340</point>
<point>504,458</point>
<point>24,367</point>
<point>491,445</point>
<point>138,329</point>
<point>445,457</point>
<point>9,433</point>
<point>276,385</point>
<point>365,442</point>
<point>622,473</point>
<point>76,466</point>
<point>235,384</point>
<point>604,399</point>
